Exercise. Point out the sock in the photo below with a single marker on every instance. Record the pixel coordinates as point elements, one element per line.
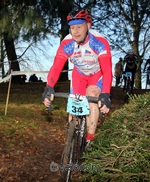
<point>89,137</point>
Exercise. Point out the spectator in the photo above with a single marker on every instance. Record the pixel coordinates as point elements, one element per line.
<point>23,78</point>
<point>40,79</point>
<point>118,71</point>
<point>33,78</point>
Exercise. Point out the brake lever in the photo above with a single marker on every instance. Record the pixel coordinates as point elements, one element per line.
<point>101,115</point>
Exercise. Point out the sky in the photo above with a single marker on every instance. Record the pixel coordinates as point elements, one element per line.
<point>43,56</point>
<point>40,56</point>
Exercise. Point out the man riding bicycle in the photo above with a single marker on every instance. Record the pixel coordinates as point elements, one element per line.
<point>90,53</point>
<point>130,62</point>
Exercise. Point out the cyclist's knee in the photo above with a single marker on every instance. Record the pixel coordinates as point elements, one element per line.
<point>93,90</point>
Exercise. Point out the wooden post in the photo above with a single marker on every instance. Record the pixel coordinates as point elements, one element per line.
<point>8,93</point>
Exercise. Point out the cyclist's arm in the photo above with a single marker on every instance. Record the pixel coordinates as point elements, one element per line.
<point>55,70</point>
<point>106,67</point>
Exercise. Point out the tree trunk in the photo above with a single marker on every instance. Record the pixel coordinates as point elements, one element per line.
<point>64,31</point>
<point>2,58</point>
<point>138,79</point>
<point>12,57</point>
<point>138,83</point>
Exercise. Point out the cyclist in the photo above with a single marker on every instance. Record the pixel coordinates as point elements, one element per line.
<point>131,65</point>
<point>118,71</point>
<point>90,53</point>
<point>147,65</point>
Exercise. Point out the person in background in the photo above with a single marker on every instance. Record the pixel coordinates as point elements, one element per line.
<point>23,78</point>
<point>40,79</point>
<point>118,71</point>
<point>131,65</point>
<point>90,53</point>
<point>33,78</point>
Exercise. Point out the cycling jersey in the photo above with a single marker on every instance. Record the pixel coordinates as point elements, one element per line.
<point>90,59</point>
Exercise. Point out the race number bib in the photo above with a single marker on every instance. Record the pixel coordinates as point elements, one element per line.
<point>128,74</point>
<point>78,108</point>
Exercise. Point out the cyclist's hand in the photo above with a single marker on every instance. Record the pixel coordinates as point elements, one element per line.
<point>48,96</point>
<point>47,102</point>
<point>104,102</point>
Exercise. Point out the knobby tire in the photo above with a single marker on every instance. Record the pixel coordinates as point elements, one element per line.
<point>67,156</point>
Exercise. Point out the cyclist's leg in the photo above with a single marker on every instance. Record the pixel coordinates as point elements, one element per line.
<point>125,82</point>
<point>93,89</point>
<point>90,86</point>
<point>93,118</point>
<point>117,80</point>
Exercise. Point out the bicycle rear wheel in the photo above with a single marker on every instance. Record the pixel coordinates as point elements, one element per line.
<point>68,153</point>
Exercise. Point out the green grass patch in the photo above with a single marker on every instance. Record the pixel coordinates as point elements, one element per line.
<point>122,147</point>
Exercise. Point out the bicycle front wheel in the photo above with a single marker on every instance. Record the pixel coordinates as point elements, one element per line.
<point>67,156</point>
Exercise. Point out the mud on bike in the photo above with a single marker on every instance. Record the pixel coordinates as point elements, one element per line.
<point>78,108</point>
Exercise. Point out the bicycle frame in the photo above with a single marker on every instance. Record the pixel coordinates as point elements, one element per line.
<point>75,140</point>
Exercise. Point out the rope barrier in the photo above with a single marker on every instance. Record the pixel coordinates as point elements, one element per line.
<point>14,73</point>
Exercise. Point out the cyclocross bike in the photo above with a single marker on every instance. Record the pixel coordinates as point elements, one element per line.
<point>128,87</point>
<point>78,108</point>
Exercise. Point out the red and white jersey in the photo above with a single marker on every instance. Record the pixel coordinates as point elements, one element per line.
<point>89,58</point>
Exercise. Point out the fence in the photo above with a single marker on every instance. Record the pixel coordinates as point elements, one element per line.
<point>14,73</point>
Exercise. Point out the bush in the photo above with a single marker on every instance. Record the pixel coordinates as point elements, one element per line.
<point>121,148</point>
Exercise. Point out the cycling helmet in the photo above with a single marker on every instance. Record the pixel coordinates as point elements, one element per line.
<point>78,17</point>
<point>130,51</point>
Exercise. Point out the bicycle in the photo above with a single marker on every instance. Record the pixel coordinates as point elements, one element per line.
<point>128,85</point>
<point>78,107</point>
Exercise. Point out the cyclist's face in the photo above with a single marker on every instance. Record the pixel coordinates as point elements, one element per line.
<point>79,31</point>
<point>131,56</point>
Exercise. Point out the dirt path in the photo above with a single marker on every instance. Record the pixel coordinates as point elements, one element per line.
<point>31,158</point>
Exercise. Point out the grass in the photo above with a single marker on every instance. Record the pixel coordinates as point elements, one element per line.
<point>122,147</point>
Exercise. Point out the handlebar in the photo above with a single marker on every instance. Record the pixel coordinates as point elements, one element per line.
<point>77,97</point>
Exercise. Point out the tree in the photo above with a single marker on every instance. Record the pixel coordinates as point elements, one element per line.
<point>32,21</point>
<point>126,25</point>
<point>22,19</point>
